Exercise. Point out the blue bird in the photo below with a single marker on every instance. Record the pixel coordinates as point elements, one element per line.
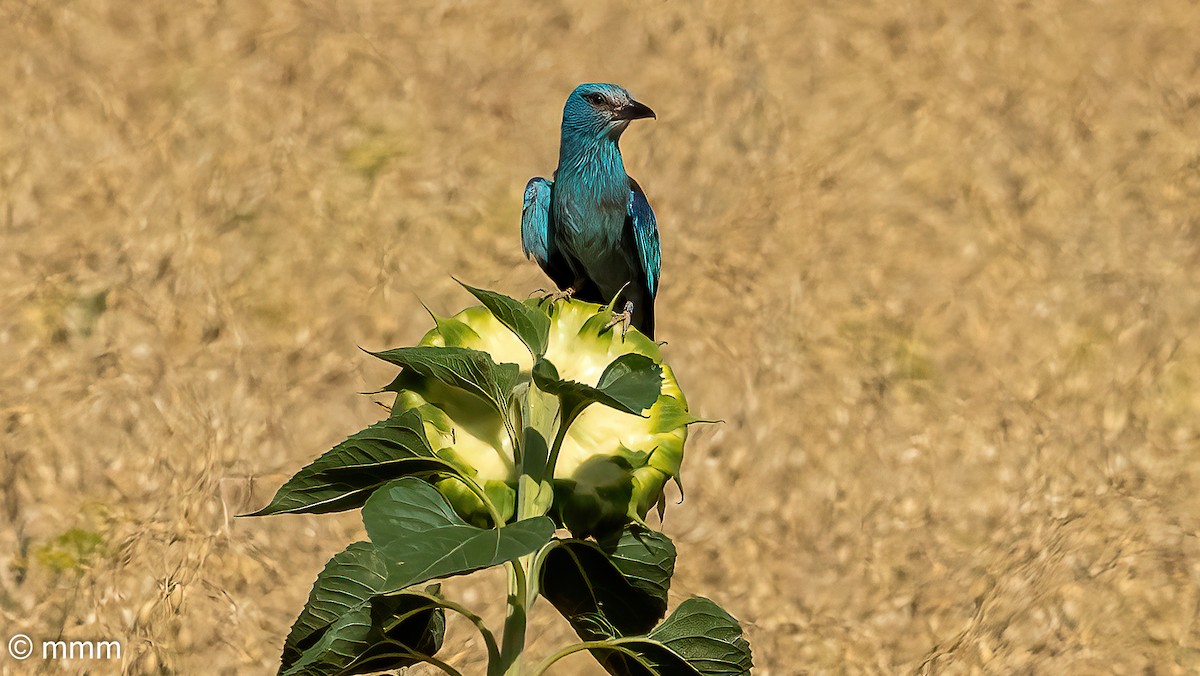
<point>591,229</point>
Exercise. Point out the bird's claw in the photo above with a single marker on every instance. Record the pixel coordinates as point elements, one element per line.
<point>624,318</point>
<point>565,294</point>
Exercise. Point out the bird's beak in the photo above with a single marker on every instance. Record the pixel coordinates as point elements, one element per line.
<point>634,111</point>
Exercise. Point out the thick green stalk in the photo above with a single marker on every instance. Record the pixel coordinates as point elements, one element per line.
<point>522,574</point>
<point>513,647</point>
<point>513,640</point>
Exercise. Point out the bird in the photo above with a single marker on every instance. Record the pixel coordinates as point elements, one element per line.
<point>591,229</point>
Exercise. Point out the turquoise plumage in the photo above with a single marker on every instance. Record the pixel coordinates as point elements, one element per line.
<point>592,229</point>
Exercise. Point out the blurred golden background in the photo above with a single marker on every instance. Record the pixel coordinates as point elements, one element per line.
<point>933,263</point>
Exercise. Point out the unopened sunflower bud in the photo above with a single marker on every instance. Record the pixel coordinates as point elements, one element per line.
<point>612,465</point>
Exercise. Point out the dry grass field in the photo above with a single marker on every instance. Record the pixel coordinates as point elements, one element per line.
<point>935,264</point>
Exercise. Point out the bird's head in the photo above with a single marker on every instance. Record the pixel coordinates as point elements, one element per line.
<point>601,110</point>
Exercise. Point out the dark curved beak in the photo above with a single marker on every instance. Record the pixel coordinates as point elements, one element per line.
<point>634,111</point>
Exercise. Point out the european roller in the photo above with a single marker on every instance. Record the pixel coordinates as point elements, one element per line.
<point>591,229</point>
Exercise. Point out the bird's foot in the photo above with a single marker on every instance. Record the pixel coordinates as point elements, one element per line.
<point>565,294</point>
<point>624,318</point>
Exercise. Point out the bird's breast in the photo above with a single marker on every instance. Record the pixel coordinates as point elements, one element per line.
<point>592,215</point>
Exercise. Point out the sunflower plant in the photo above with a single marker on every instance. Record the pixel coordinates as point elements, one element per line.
<point>528,435</point>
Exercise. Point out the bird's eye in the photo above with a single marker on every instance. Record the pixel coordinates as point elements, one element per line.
<point>594,98</point>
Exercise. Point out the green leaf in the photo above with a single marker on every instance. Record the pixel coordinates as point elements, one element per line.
<point>346,475</point>
<point>632,379</point>
<point>529,324</point>
<point>616,587</point>
<point>408,619</point>
<point>347,637</point>
<point>347,583</point>
<point>345,625</point>
<point>698,639</point>
<point>423,538</point>
<point>466,369</point>
<point>647,560</point>
<point>631,383</point>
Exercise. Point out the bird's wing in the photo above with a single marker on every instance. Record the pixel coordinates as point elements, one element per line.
<point>535,221</point>
<point>640,220</point>
<point>538,236</point>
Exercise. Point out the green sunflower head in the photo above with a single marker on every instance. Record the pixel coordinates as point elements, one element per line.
<point>611,465</point>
